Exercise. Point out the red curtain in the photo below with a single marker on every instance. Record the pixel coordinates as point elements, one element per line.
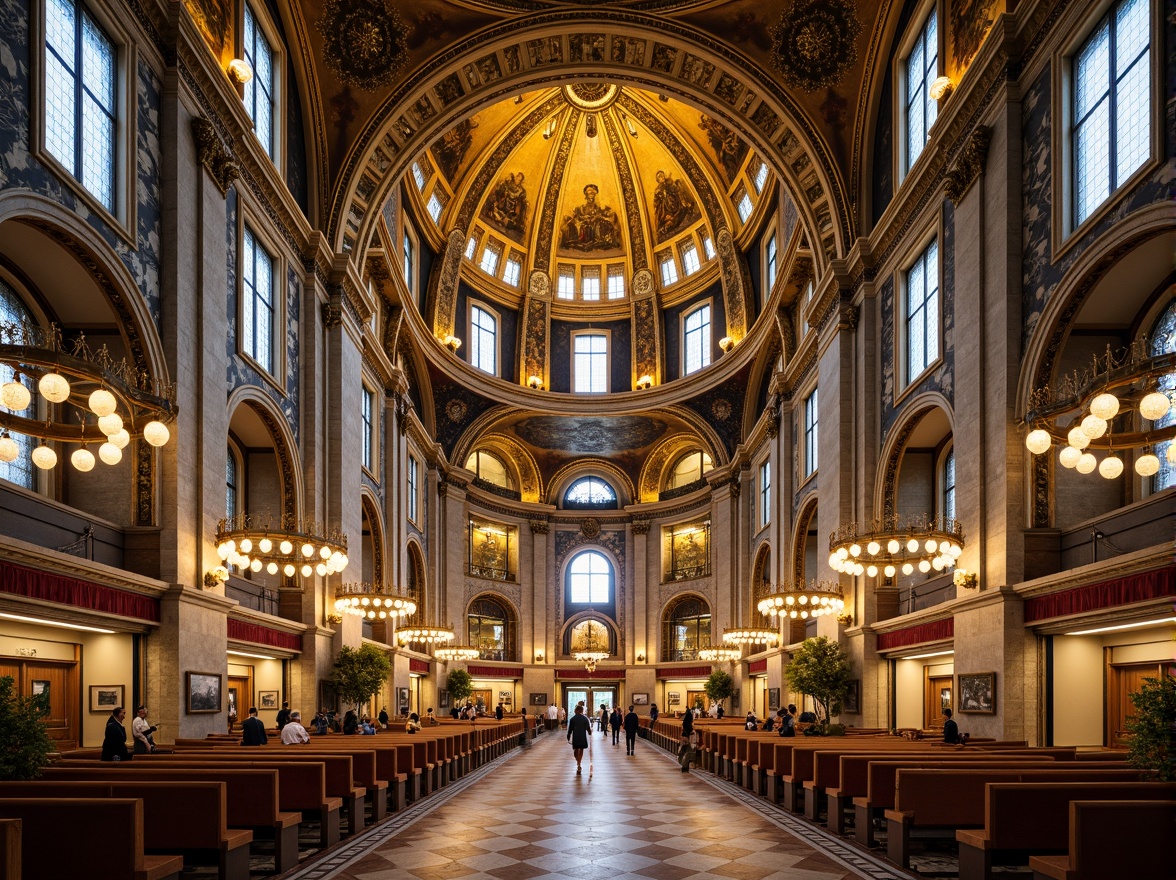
<point>1108,594</point>
<point>757,666</point>
<point>685,672</point>
<point>241,631</point>
<point>932,631</point>
<point>584,674</point>
<point>495,671</point>
<point>415,665</point>
<point>32,584</point>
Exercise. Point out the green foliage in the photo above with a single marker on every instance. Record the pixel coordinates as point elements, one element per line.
<point>719,686</point>
<point>820,669</point>
<point>25,744</point>
<point>360,673</point>
<point>1153,728</point>
<point>835,730</point>
<point>459,684</point>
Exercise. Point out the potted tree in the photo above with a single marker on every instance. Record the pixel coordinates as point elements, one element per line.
<point>719,686</point>
<point>26,744</point>
<point>820,669</point>
<point>460,686</point>
<point>360,672</point>
<point>1152,745</point>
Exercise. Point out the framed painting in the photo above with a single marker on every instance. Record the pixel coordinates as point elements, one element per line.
<point>40,686</point>
<point>104,697</point>
<point>640,699</point>
<point>402,701</point>
<point>674,698</point>
<point>505,698</point>
<point>977,692</point>
<point>773,699</point>
<point>851,703</point>
<point>538,699</point>
<point>204,692</point>
<point>267,699</point>
<point>443,698</point>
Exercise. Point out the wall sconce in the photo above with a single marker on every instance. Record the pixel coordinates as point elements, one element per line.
<point>941,88</point>
<point>845,619</point>
<point>640,658</point>
<point>535,383</point>
<point>452,343</point>
<point>214,577</point>
<point>726,343</point>
<point>644,382</point>
<point>240,70</point>
<point>961,577</point>
<point>538,656</point>
<point>334,619</point>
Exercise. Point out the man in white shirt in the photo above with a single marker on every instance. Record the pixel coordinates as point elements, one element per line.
<point>294,733</point>
<point>552,715</point>
<point>141,730</point>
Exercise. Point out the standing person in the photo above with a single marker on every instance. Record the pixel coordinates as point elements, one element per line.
<point>383,717</point>
<point>561,716</point>
<point>579,730</point>
<point>141,730</point>
<point>526,727</point>
<point>603,718</point>
<point>951,730</point>
<point>653,713</point>
<point>632,725</point>
<point>294,733</point>
<point>252,730</point>
<point>719,714</point>
<point>614,721</point>
<point>283,716</point>
<point>498,711</point>
<point>552,716</point>
<point>686,747</point>
<point>114,742</point>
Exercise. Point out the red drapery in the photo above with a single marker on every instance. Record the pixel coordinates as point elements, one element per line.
<point>241,631</point>
<point>933,631</point>
<point>757,666</point>
<point>495,671</point>
<point>415,665</point>
<point>684,672</point>
<point>584,674</point>
<point>32,584</point>
<point>1108,594</point>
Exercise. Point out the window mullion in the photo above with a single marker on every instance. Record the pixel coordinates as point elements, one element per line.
<point>79,126</point>
<point>1112,105</point>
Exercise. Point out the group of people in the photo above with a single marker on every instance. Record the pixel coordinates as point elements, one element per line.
<point>114,740</point>
<point>580,730</point>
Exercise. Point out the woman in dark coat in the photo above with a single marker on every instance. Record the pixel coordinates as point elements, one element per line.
<point>114,743</point>
<point>579,730</point>
<point>614,721</point>
<point>686,748</point>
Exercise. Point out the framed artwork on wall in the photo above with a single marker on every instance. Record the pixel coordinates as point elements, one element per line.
<point>977,692</point>
<point>674,698</point>
<point>538,699</point>
<point>204,692</point>
<point>402,701</point>
<point>773,699</point>
<point>640,699</point>
<point>443,698</point>
<point>104,697</point>
<point>267,699</point>
<point>852,702</point>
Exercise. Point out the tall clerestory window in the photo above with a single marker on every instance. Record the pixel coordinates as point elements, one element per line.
<point>484,340</point>
<point>810,434</point>
<point>590,363</point>
<point>21,469</point>
<point>81,108</point>
<point>1163,341</point>
<point>919,108</point>
<point>922,312</point>
<point>257,315</point>
<point>260,98</point>
<point>1111,128</point>
<point>697,347</point>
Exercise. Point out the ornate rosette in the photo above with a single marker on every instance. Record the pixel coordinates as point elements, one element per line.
<point>365,42</point>
<point>814,42</point>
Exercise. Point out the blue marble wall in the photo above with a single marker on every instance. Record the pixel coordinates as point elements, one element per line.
<point>20,169</point>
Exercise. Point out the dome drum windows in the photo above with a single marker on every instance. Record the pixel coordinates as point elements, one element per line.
<point>687,474</point>
<point>590,493</point>
<point>493,550</point>
<point>686,551</point>
<point>669,270</point>
<point>696,340</point>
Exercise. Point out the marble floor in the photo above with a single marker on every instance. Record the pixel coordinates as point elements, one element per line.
<point>527,815</point>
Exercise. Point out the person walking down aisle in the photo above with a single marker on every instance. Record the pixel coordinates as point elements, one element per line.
<point>579,730</point>
<point>114,743</point>
<point>686,747</point>
<point>253,730</point>
<point>632,725</point>
<point>614,721</point>
<point>602,718</point>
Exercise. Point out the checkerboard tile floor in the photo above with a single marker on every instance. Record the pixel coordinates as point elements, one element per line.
<point>635,818</point>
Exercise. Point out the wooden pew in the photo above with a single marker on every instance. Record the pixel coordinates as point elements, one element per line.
<point>10,849</point>
<point>951,799</point>
<point>251,795</point>
<point>70,838</point>
<point>1023,819</point>
<point>179,817</point>
<point>1101,832</point>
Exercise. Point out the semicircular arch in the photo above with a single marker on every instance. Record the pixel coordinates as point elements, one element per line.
<point>890,459</point>
<point>563,478</point>
<point>285,448</point>
<point>661,461</point>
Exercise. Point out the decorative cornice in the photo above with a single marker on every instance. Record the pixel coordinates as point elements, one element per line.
<point>212,153</point>
<point>968,165</point>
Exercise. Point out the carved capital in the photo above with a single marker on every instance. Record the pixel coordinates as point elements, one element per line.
<point>332,313</point>
<point>968,164</point>
<point>640,526</point>
<point>212,153</point>
<point>539,526</point>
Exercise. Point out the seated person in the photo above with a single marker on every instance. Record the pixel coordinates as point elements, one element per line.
<point>807,718</point>
<point>320,724</point>
<point>769,722</point>
<point>413,724</point>
<point>752,722</point>
<point>430,718</point>
<point>350,723</point>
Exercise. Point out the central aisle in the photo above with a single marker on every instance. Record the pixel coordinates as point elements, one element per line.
<point>637,818</point>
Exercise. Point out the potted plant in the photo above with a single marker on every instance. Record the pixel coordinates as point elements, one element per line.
<point>719,686</point>
<point>820,669</point>
<point>460,685</point>
<point>26,745</point>
<point>360,672</point>
<point>1152,745</point>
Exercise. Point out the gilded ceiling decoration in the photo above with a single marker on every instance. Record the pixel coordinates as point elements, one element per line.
<point>814,42</point>
<point>505,207</point>
<point>590,436</point>
<point>366,43</point>
<point>591,227</point>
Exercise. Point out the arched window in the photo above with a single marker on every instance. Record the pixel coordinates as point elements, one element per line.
<point>686,628</point>
<point>590,579</point>
<point>1163,341</point>
<point>21,469</point>
<point>947,484</point>
<point>232,483</point>
<point>490,468</point>
<point>590,492</point>
<point>491,629</point>
<point>696,344</point>
<point>590,635</point>
<point>689,469</point>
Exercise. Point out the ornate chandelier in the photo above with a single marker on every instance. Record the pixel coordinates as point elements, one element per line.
<point>429,635</point>
<point>372,602</point>
<point>88,399</point>
<point>458,652</point>
<point>1080,413</point>
<point>751,635</point>
<point>590,651</point>
<point>892,544</point>
<point>285,545</point>
<point>803,600</point>
<point>720,655</point>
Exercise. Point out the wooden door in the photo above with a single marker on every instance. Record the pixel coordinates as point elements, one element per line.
<point>484,699</point>
<point>60,681</point>
<point>240,696</point>
<point>939,696</point>
<point>1122,682</point>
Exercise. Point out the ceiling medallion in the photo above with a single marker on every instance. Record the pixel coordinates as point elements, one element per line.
<point>365,42</point>
<point>814,42</point>
<point>591,96</point>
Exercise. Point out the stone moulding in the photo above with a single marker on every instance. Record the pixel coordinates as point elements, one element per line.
<point>212,153</point>
<point>968,164</point>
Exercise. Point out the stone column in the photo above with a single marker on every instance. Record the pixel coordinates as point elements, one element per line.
<point>540,636</point>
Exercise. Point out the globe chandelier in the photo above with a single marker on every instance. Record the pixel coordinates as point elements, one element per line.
<point>1113,406</point>
<point>286,545</point>
<point>457,652</point>
<point>892,544</point>
<point>803,600</point>
<point>89,399</point>
<point>372,602</point>
<point>720,655</point>
<point>751,635</point>
<point>429,635</point>
<point>591,651</point>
